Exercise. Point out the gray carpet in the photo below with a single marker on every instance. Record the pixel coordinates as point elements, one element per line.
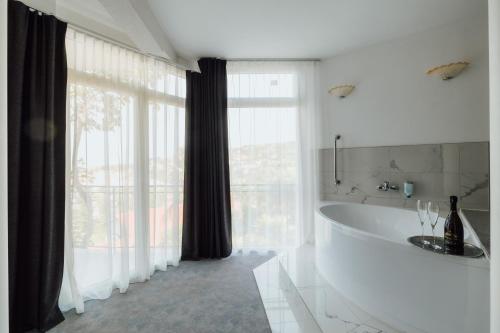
<point>208,296</point>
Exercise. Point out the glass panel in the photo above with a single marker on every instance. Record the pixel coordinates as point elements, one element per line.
<point>102,178</point>
<point>166,174</point>
<point>263,168</point>
<point>260,85</point>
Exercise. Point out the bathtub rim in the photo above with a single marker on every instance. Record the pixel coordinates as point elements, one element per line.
<point>481,262</point>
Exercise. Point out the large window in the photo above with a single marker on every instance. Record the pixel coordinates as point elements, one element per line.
<point>263,153</point>
<point>273,109</point>
<point>125,139</point>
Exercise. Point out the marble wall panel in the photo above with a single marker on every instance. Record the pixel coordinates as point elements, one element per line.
<point>437,170</point>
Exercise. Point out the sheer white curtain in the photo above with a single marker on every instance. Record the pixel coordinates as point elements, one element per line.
<point>124,168</point>
<point>272,151</point>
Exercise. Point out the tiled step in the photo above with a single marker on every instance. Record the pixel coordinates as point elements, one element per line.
<point>298,299</point>
<point>284,307</point>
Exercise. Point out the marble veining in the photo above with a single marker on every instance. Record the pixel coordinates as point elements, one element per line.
<point>298,299</point>
<point>480,222</point>
<point>475,188</point>
<point>437,170</point>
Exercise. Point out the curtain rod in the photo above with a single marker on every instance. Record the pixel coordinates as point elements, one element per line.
<point>108,39</point>
<point>124,45</point>
<point>272,59</point>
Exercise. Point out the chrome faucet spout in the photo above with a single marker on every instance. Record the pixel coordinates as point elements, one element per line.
<point>386,186</point>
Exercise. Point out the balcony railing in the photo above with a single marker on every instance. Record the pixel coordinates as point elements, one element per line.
<point>263,215</point>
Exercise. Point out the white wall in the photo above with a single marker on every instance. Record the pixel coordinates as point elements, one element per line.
<point>396,103</point>
<point>494,29</point>
<point>4,305</point>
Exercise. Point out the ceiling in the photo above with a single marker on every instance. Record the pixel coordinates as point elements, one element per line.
<point>90,8</point>
<point>297,29</point>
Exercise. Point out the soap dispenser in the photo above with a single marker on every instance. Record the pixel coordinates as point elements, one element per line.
<point>408,188</point>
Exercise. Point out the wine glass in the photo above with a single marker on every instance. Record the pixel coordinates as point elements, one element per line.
<point>433,215</point>
<point>422,215</point>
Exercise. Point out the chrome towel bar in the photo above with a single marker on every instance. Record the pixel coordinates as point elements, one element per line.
<point>337,181</point>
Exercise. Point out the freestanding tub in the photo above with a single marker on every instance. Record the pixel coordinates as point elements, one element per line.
<point>363,252</point>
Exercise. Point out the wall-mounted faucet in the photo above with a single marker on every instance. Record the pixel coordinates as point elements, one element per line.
<point>386,186</point>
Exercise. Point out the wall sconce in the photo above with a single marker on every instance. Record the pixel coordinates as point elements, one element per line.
<point>449,71</point>
<point>341,91</point>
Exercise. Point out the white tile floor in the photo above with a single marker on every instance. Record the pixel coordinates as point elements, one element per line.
<point>297,299</point>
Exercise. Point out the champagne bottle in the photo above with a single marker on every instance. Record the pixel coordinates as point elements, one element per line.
<point>453,231</point>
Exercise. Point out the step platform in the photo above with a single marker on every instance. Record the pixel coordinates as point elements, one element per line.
<point>298,300</point>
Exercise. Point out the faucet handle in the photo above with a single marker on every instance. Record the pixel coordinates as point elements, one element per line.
<point>384,186</point>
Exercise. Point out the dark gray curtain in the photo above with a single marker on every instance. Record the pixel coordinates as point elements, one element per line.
<point>37,77</point>
<point>206,229</point>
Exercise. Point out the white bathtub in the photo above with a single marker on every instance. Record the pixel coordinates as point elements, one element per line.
<point>363,252</point>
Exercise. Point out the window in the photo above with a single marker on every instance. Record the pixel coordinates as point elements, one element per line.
<point>263,153</point>
<point>125,139</point>
<point>273,109</point>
